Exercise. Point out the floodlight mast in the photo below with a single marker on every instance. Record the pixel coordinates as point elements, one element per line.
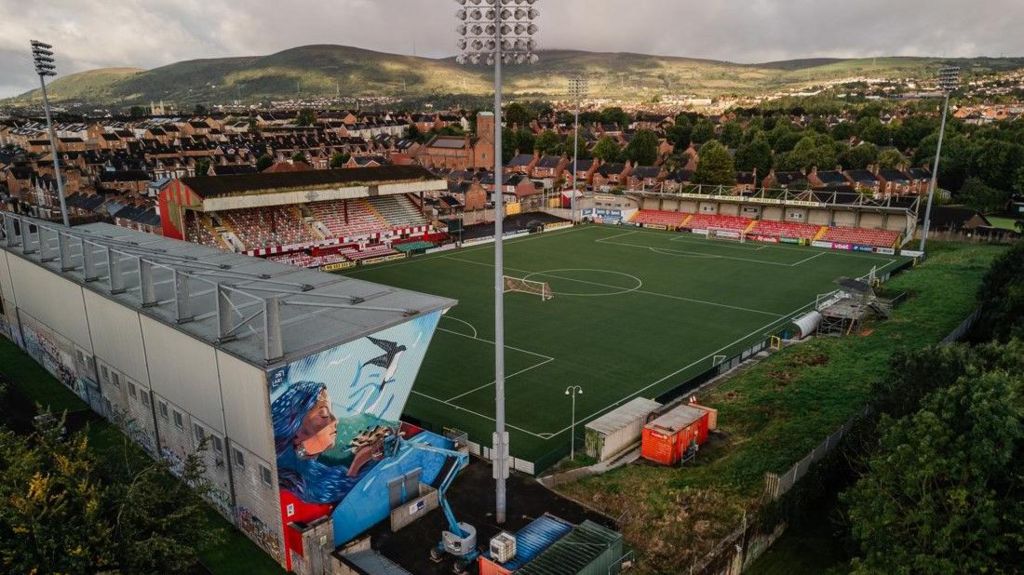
<point>949,79</point>
<point>493,32</point>
<point>42,57</point>
<point>578,87</point>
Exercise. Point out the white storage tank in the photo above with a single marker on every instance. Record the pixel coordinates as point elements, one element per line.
<point>619,429</point>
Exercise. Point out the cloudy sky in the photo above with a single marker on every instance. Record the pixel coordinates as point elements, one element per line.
<point>148,33</point>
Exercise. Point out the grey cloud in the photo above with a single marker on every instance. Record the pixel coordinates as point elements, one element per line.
<point>148,33</point>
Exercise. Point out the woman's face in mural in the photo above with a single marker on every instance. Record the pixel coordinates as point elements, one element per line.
<point>319,430</point>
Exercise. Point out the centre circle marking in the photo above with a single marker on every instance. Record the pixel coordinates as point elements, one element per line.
<point>625,290</point>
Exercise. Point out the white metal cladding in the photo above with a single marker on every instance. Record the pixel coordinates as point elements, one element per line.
<point>808,323</point>
<point>120,336</point>
<point>259,311</point>
<point>247,405</point>
<point>53,301</point>
<point>183,370</point>
<point>6,285</point>
<point>622,426</point>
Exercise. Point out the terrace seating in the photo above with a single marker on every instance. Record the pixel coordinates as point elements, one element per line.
<point>659,218</point>
<point>355,254</point>
<point>785,229</point>
<point>268,227</point>
<point>398,211</point>
<point>362,220</point>
<point>198,232</point>
<point>304,260</point>
<point>862,236</point>
<point>707,221</point>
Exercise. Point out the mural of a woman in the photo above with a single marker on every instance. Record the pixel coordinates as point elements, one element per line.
<point>304,428</point>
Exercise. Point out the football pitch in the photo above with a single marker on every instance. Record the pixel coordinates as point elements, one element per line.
<point>635,313</point>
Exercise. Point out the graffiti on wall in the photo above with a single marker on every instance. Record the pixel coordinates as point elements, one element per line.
<point>336,426</point>
<point>265,535</point>
<point>54,352</point>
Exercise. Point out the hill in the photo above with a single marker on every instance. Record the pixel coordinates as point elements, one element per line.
<point>326,70</point>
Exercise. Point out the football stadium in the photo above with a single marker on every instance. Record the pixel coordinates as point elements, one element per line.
<point>631,312</point>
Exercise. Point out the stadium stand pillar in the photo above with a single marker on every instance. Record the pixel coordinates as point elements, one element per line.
<point>10,229</point>
<point>65,252</point>
<point>27,246</point>
<point>115,273</point>
<point>182,297</point>
<point>273,346</point>
<point>146,283</point>
<point>89,262</point>
<point>224,328</point>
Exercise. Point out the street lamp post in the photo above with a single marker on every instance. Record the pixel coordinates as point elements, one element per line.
<point>573,391</point>
<point>578,87</point>
<point>493,32</point>
<point>42,57</point>
<point>949,77</point>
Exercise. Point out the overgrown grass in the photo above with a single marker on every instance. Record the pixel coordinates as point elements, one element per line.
<point>235,553</point>
<point>774,413</point>
<point>1004,223</point>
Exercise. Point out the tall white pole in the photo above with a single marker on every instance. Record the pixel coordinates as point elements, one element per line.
<point>575,157</point>
<point>935,176</point>
<point>55,153</point>
<point>500,438</point>
<point>572,429</point>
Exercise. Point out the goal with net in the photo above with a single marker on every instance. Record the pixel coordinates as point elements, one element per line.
<point>514,284</point>
<point>727,234</point>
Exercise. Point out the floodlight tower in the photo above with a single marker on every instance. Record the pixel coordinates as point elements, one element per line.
<point>42,56</point>
<point>496,32</point>
<point>578,87</point>
<point>949,78</point>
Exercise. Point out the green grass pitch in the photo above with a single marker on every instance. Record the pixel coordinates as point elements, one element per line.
<point>635,313</point>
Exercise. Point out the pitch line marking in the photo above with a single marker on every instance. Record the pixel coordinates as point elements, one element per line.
<point>622,290</point>
<point>640,291</point>
<point>487,417</point>
<point>682,369</point>
<point>509,241</point>
<point>541,355</point>
<point>696,253</point>
<point>817,255</point>
<point>507,377</point>
<point>462,321</point>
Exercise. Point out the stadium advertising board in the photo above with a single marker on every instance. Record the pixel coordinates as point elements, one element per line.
<point>557,226</point>
<point>656,226</point>
<point>752,200</point>
<point>885,251</point>
<point>765,239</point>
<point>608,216</point>
<point>789,240</point>
<point>336,426</point>
<point>382,259</point>
<point>337,266</point>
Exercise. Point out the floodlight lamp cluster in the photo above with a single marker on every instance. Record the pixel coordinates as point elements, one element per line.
<point>42,56</point>
<point>490,27</point>
<point>949,78</point>
<point>578,87</point>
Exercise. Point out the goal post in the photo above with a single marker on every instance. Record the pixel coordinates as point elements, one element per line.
<point>726,234</point>
<point>514,284</point>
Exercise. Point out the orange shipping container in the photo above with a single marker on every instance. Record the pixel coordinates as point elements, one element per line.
<point>666,438</point>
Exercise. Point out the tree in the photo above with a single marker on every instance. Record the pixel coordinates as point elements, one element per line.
<point>339,159</point>
<point>643,148</point>
<point>732,134</point>
<point>715,166</point>
<point>982,197</point>
<point>756,155</point>
<point>513,141</point>
<point>89,513</point>
<point>942,493</point>
<point>615,115</point>
<point>997,163</point>
<point>200,110</point>
<point>874,131</point>
<point>809,152</point>
<point>607,149</point>
<point>703,131</point>
<point>306,117</point>
<point>137,112</point>
<point>843,131</point>
<point>299,157</point>
<point>264,162</point>
<point>859,157</point>
<point>549,142</point>
<point>679,135</point>
<point>891,158</point>
<point>413,133</point>
<point>1002,297</point>
<point>517,115</point>
<point>202,167</point>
